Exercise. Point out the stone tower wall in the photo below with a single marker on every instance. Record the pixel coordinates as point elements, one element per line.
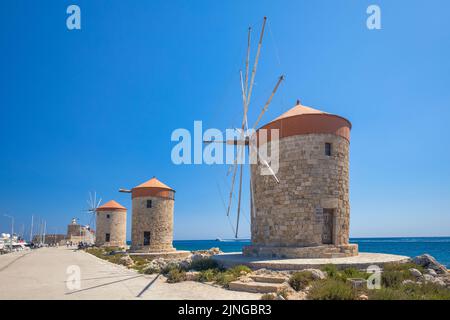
<point>158,220</point>
<point>115,225</point>
<point>291,213</point>
<point>74,230</point>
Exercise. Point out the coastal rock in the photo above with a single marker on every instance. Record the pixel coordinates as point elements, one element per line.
<point>415,273</point>
<point>446,280</point>
<point>214,251</point>
<point>126,261</point>
<point>357,283</point>
<point>185,263</point>
<point>206,253</point>
<point>156,265</point>
<point>269,296</point>
<point>428,278</point>
<point>363,297</point>
<point>407,282</point>
<point>439,281</point>
<point>192,275</point>
<point>260,271</point>
<point>291,294</point>
<point>245,279</point>
<point>436,280</point>
<point>160,264</point>
<point>429,262</point>
<point>317,274</point>
<point>431,272</point>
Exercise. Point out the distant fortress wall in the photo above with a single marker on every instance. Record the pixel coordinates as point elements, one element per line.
<point>49,238</point>
<point>75,230</point>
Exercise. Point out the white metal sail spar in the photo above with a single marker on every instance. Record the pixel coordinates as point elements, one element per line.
<point>93,204</point>
<point>259,156</point>
<point>247,84</point>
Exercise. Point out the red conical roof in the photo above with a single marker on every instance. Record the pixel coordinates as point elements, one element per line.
<point>153,183</point>
<point>111,205</point>
<point>306,120</point>
<point>299,110</point>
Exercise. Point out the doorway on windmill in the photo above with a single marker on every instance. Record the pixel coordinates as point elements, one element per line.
<point>107,237</point>
<point>328,226</point>
<point>146,238</point>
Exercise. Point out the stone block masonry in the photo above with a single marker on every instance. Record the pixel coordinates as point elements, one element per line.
<point>157,221</point>
<point>308,213</point>
<point>114,224</point>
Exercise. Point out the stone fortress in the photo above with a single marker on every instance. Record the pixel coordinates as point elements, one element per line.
<point>77,233</point>
<point>307,214</point>
<point>111,225</point>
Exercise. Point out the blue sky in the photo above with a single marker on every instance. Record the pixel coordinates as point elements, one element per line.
<point>94,109</point>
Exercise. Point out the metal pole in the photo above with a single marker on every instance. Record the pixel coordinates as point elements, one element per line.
<point>40,231</point>
<point>31,230</point>
<point>45,229</point>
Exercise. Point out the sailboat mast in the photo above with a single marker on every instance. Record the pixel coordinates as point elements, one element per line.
<point>31,230</point>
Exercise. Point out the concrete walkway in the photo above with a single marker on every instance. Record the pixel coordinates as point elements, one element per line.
<point>49,273</point>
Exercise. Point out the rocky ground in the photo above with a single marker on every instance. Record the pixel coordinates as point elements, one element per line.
<point>421,278</point>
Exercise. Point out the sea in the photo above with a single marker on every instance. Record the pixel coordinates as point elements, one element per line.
<point>438,247</point>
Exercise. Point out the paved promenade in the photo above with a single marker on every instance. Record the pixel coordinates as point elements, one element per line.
<point>42,274</point>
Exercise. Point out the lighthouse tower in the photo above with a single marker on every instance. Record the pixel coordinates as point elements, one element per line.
<point>306,214</point>
<point>111,224</point>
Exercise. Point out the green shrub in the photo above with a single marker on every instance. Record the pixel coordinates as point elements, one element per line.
<point>114,258</point>
<point>354,273</point>
<point>331,289</point>
<point>268,296</point>
<point>412,291</point>
<point>396,266</point>
<point>333,273</point>
<point>203,264</point>
<point>110,250</point>
<point>426,291</point>
<point>387,294</point>
<point>239,270</point>
<point>283,292</point>
<point>176,275</point>
<point>149,270</point>
<point>208,275</point>
<point>392,279</point>
<point>224,278</point>
<point>140,264</point>
<point>299,280</point>
<point>169,267</point>
<point>331,270</point>
<point>139,259</point>
<point>98,252</point>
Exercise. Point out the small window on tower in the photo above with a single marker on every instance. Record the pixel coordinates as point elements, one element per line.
<point>146,238</point>
<point>107,216</point>
<point>328,149</point>
<point>149,203</point>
